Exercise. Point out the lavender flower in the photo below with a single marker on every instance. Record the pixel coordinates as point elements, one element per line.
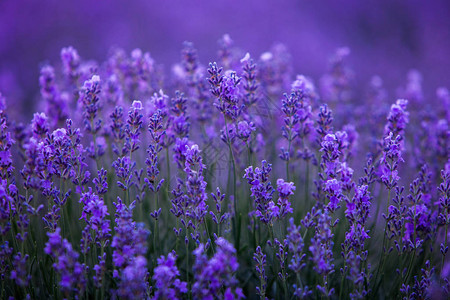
<point>20,274</point>
<point>71,62</point>
<point>90,100</point>
<point>180,120</point>
<point>250,82</point>
<point>95,213</point>
<point>244,130</point>
<point>165,276</point>
<point>324,120</point>
<point>133,127</point>
<point>444,209</point>
<point>215,277</point>
<point>262,191</point>
<point>66,264</point>
<point>260,258</point>
<point>39,125</point>
<point>56,107</point>
<point>390,160</point>
<point>225,89</point>
<point>285,189</point>
<point>195,185</point>
<point>330,156</point>
<point>134,280</point>
<point>289,107</point>
<point>321,250</point>
<point>190,63</point>
<point>397,119</point>
<point>117,130</point>
<point>129,240</point>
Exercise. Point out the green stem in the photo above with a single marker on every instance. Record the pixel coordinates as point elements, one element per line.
<point>235,229</point>
<point>168,173</point>
<point>187,264</point>
<point>445,245</point>
<point>289,156</point>
<point>103,275</point>
<point>341,292</point>
<point>94,136</point>
<point>383,250</point>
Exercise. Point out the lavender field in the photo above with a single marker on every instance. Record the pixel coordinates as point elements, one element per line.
<point>296,160</point>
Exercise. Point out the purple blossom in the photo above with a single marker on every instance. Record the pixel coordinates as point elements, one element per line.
<point>124,167</point>
<point>444,207</point>
<point>321,250</point>
<point>290,104</point>
<point>260,258</point>
<point>133,127</point>
<point>390,160</point>
<point>5,257</point>
<point>262,191</point>
<point>397,118</point>
<point>89,96</point>
<point>165,276</point>
<point>215,276</point>
<point>195,185</point>
<point>179,120</point>
<point>285,189</point>
<point>250,83</point>
<point>20,274</point>
<point>333,190</point>
<point>129,240</point>
<point>324,120</point>
<point>117,130</point>
<point>225,89</point>
<point>71,62</point>
<point>295,244</point>
<point>134,280</point>
<point>244,130</point>
<point>39,125</point>
<point>101,184</point>
<point>56,107</point>
<point>179,151</point>
<point>95,214</point>
<point>72,277</point>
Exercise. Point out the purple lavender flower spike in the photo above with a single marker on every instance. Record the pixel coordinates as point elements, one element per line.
<point>244,130</point>
<point>324,120</point>
<point>39,125</point>
<point>190,63</point>
<point>225,87</point>
<point>290,104</point>
<point>165,276</point>
<point>262,192</point>
<point>19,274</point>
<point>117,131</point>
<point>101,184</point>
<point>133,127</point>
<point>398,118</point>
<point>444,208</point>
<point>251,84</point>
<point>392,155</point>
<point>134,280</point>
<point>285,189</point>
<point>71,62</point>
<point>321,250</point>
<point>56,107</point>
<point>216,275</point>
<point>66,263</point>
<point>260,258</point>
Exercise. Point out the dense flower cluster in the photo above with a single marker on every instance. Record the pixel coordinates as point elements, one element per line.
<point>130,183</point>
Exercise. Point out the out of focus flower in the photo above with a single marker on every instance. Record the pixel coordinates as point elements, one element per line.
<point>215,277</point>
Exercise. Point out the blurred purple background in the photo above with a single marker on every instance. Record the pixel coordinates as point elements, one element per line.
<point>386,37</point>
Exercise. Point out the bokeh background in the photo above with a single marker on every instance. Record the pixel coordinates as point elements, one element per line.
<point>386,37</point>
